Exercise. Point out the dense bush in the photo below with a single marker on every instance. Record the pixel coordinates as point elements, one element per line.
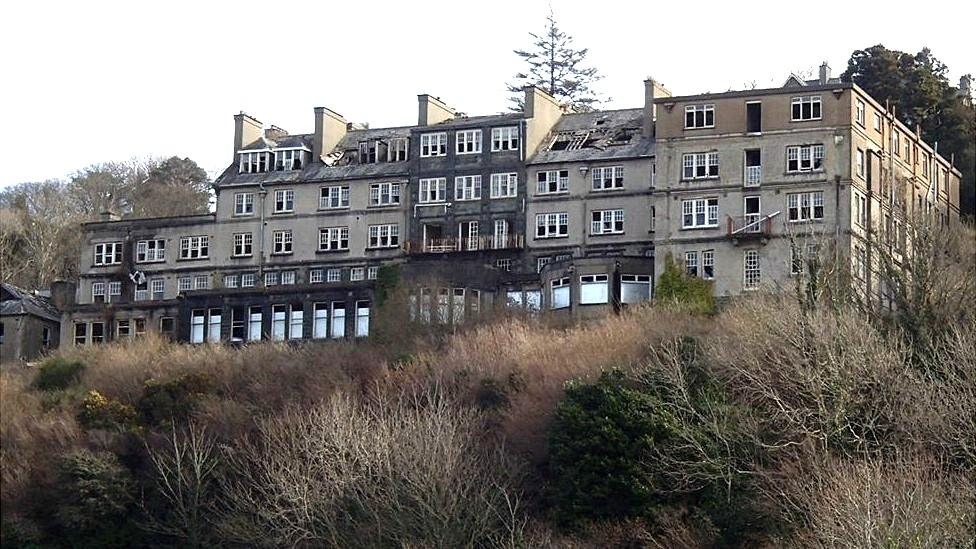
<point>99,412</point>
<point>57,373</point>
<point>166,402</point>
<point>675,286</point>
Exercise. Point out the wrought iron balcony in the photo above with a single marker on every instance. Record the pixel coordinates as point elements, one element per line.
<point>455,244</point>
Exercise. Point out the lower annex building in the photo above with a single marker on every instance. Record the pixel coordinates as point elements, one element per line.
<point>544,209</point>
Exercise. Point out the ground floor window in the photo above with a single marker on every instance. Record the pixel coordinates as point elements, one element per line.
<point>752,275</point>
<point>254,316</point>
<point>320,325</point>
<point>635,288</point>
<point>213,325</point>
<point>297,324</point>
<point>279,317</point>
<point>338,319</point>
<point>197,325</point>
<point>594,289</point>
<point>362,318</point>
<point>559,297</point>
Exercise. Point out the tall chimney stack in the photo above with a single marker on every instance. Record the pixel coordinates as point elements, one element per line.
<point>247,130</point>
<point>541,112</point>
<point>330,128</point>
<point>652,90</point>
<point>432,110</point>
<point>824,73</point>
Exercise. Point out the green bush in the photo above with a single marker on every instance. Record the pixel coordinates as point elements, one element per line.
<point>57,373</point>
<point>100,412</point>
<point>95,500</point>
<point>163,402</point>
<point>602,434</point>
<point>675,286</point>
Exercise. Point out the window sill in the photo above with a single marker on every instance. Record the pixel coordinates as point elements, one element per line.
<point>380,248</point>
<point>806,119</point>
<point>188,259</point>
<point>552,237</point>
<point>558,193</point>
<point>513,150</point>
<point>621,233</point>
<point>699,228</point>
<point>279,254</point>
<point>241,256</point>
<point>805,220</point>
<point>433,155</point>
<point>155,261</point>
<point>806,172</point>
<point>609,189</point>
<point>503,197</point>
<point>340,251</point>
<point>283,213</point>
<point>333,209</point>
<point>384,206</point>
<point>693,179</point>
<point>466,153</point>
<point>693,128</point>
<point>243,214</point>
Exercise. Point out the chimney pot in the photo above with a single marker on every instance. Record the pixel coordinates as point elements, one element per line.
<point>824,73</point>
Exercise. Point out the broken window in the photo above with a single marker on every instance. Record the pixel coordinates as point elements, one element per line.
<point>291,159</point>
<point>108,253</point>
<point>607,222</point>
<point>433,144</point>
<point>804,158</point>
<point>553,181</point>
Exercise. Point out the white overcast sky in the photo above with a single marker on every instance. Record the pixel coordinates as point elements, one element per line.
<point>87,82</point>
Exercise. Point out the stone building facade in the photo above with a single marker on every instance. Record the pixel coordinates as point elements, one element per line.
<point>544,209</point>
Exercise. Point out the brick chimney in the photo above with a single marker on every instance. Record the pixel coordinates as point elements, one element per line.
<point>541,112</point>
<point>247,130</point>
<point>824,73</point>
<point>652,90</point>
<point>330,128</point>
<point>275,133</point>
<point>432,110</point>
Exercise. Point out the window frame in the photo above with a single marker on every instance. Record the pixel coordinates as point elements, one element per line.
<point>341,238</point>
<point>797,103</point>
<point>467,188</point>
<point>243,244</point>
<point>284,201</point>
<point>386,235</point>
<point>468,141</point>
<point>377,192</point>
<point>603,182</point>
<point>812,155</point>
<point>282,242</point>
<point>194,247</point>
<point>707,112</point>
<point>503,181</point>
<point>107,253</point>
<point>805,202</point>
<point>547,180</point>
<point>606,222</point>
<point>433,144</point>
<point>154,254</point>
<point>505,138</point>
<point>709,221</point>
<point>706,162</point>
<point>561,225</point>
<point>334,197</point>
<point>437,184</point>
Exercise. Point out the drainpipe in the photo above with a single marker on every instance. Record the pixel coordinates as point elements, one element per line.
<point>263,193</point>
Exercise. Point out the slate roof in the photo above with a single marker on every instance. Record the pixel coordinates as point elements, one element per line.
<point>604,135</point>
<point>17,301</point>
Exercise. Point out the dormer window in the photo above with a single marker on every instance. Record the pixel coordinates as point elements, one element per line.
<point>254,162</point>
<point>372,151</point>
<point>292,159</point>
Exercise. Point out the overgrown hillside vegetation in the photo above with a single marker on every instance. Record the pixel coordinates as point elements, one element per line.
<point>798,419</point>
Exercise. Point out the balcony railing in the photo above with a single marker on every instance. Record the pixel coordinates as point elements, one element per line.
<point>753,176</point>
<point>455,244</point>
<point>751,226</point>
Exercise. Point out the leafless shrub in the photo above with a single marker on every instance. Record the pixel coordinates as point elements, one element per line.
<point>906,502</point>
<point>405,472</point>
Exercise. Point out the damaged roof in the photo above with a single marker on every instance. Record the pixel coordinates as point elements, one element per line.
<point>283,142</point>
<point>596,135</point>
<point>17,301</point>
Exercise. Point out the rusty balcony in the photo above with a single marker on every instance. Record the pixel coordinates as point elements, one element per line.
<point>455,244</point>
<point>750,227</point>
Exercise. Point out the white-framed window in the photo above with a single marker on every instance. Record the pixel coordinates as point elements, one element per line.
<point>635,288</point>
<point>504,185</point>
<point>896,143</point>
<point>254,318</point>
<point>151,251</point>
<point>541,262</point>
<point>505,139</point>
<point>201,282</point>
<point>468,233</point>
<point>804,158</point>
<point>195,247</point>
<point>254,162</point>
<point>384,194</point>
<point>467,187</point>
<point>231,281</point>
<point>608,177</point>
<point>98,291</point>
<point>320,320</point>
<point>433,190</point>
<point>653,217</point>
<point>289,159</point>
<point>552,225</point>
<point>594,289</point>
<point>805,206</point>
<point>334,197</point>
<point>184,284</point>
<point>499,238</point>
<point>384,236</point>
<point>699,213</point>
<point>214,316</point>
<point>272,278</point>
<point>357,273</point>
<point>141,292</point>
<point>800,255</point>
<point>433,144</point>
<point>122,328</point>
<point>859,165</point>
<point>751,274</point>
<point>316,276</point>
<point>282,242</point>
<point>708,264</point>
<point>108,253</point>
<point>607,222</point>
<point>244,204</point>
<point>279,322</point>
<point>284,201</point>
<point>877,122</point>
<point>503,264</point>
<point>468,141</point>
<point>806,108</point>
<point>859,112</point>
<point>559,293</point>
<point>398,149</point>
<point>248,280</point>
<point>198,323</point>
<point>860,209</point>
<point>243,244</point>
<point>296,323</point>
<point>372,272</point>
<point>333,275</point>
<point>691,263</point>
<point>699,116</point>
<point>288,278</point>
<point>114,289</point>
<point>362,318</point>
<point>157,287</point>
<point>333,239</point>
<point>653,173</point>
<point>699,165</point>
<point>552,181</point>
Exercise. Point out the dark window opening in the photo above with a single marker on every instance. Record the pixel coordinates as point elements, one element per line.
<point>753,117</point>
